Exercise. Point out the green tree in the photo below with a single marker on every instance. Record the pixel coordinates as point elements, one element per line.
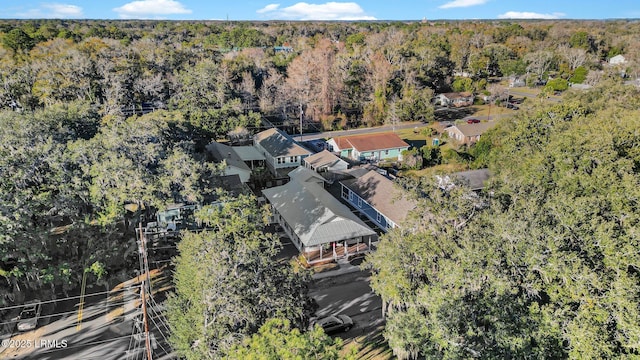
<point>558,84</point>
<point>432,155</point>
<point>227,283</point>
<point>540,269</point>
<point>462,84</point>
<point>579,75</point>
<point>18,41</point>
<point>278,340</point>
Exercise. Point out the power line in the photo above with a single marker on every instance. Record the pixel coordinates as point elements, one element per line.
<point>63,299</point>
<point>65,313</point>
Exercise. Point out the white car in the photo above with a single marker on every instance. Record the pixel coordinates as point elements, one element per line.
<point>28,318</point>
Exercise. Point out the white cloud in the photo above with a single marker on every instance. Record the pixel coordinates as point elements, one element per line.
<point>529,15</point>
<point>329,11</point>
<point>151,8</point>
<point>53,11</point>
<point>462,3</point>
<point>268,8</point>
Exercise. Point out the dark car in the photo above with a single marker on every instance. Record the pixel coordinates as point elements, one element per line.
<point>472,121</point>
<point>512,106</point>
<point>334,323</point>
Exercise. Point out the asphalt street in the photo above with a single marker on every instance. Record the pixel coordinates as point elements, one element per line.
<point>106,330</point>
<point>349,294</point>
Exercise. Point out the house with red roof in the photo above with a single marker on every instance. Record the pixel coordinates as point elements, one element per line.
<point>376,146</point>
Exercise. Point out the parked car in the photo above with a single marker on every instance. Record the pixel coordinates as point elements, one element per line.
<point>472,121</point>
<point>512,106</point>
<point>334,323</point>
<point>28,318</point>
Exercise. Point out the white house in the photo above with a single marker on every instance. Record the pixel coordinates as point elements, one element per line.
<point>281,152</point>
<point>455,99</point>
<point>318,224</point>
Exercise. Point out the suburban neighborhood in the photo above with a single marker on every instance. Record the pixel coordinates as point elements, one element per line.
<point>318,183</point>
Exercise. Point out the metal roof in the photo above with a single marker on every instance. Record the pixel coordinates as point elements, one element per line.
<point>313,213</point>
<point>475,179</point>
<point>248,153</point>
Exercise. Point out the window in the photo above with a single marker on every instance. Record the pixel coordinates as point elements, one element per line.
<point>378,217</point>
<point>350,196</point>
<point>359,202</point>
<point>345,192</point>
<point>386,152</point>
<point>293,159</point>
<point>280,160</point>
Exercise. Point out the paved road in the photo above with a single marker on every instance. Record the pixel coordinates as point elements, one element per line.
<point>349,294</point>
<point>106,331</point>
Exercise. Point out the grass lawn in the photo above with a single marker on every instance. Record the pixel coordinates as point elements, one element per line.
<point>433,170</point>
<point>493,110</point>
<point>527,90</point>
<point>422,138</point>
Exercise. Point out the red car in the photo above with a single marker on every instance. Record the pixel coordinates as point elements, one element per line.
<point>472,121</point>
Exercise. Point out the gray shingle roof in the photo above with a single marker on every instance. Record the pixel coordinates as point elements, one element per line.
<point>323,158</point>
<point>221,152</point>
<point>475,129</point>
<point>278,143</point>
<point>382,194</point>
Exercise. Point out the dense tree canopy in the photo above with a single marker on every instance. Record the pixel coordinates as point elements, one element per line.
<point>544,263</point>
<point>362,72</point>
<point>67,176</point>
<point>278,340</point>
<point>227,284</point>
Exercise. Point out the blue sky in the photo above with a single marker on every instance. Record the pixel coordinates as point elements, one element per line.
<point>319,10</point>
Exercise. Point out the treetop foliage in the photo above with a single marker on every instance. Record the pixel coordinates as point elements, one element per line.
<point>542,264</point>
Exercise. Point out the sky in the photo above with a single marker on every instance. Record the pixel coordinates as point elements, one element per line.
<point>238,10</point>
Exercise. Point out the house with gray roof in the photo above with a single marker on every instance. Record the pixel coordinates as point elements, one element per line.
<point>378,198</point>
<point>250,155</point>
<point>465,133</point>
<point>281,152</point>
<point>234,165</point>
<point>319,225</point>
<point>330,166</point>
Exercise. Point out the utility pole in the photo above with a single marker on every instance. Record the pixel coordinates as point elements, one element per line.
<point>144,268</point>
<point>301,113</point>
<point>147,339</point>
